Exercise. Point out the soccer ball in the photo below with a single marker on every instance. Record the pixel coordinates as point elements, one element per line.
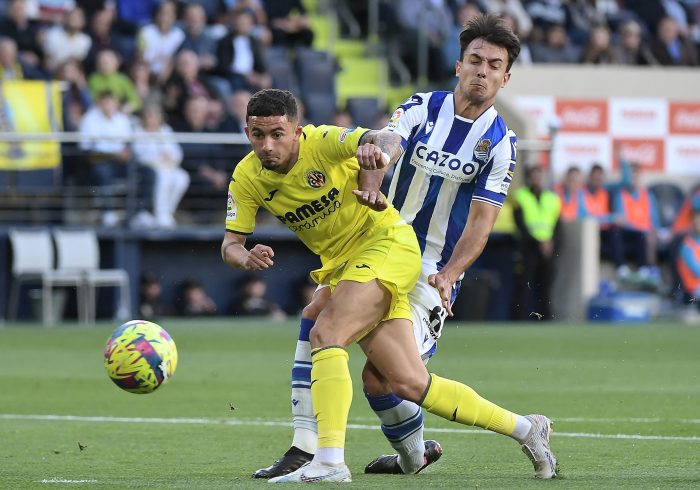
<point>140,356</point>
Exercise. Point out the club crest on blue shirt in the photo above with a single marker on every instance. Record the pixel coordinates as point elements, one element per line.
<point>315,178</point>
<point>482,148</point>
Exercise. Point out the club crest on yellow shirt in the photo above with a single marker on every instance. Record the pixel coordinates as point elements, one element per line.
<point>315,178</point>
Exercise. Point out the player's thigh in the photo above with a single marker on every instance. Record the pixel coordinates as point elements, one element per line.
<point>318,301</point>
<point>353,308</point>
<point>391,348</point>
<point>373,382</point>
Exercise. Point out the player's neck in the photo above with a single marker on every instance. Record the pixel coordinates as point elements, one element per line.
<point>469,109</point>
<point>293,157</point>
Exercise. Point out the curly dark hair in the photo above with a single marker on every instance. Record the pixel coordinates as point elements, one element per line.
<point>492,29</point>
<point>272,102</point>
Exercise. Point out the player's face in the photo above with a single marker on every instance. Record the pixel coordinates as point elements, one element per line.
<point>482,71</point>
<point>275,141</point>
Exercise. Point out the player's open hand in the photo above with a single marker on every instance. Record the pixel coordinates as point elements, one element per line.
<point>259,258</point>
<point>372,199</point>
<point>444,286</point>
<point>371,157</point>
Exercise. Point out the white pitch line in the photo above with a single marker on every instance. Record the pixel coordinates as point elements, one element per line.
<point>63,480</point>
<point>277,423</point>
<point>593,420</point>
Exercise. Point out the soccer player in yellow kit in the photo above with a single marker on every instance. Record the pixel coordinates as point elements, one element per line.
<point>307,177</point>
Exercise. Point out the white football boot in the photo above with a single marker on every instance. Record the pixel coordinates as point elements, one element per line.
<point>316,473</point>
<point>536,447</point>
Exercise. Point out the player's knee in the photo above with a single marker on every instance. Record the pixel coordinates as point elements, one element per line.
<point>409,387</point>
<point>323,334</point>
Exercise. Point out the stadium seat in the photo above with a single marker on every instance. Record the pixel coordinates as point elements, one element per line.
<point>279,66</point>
<point>364,110</point>
<point>317,76</point>
<point>669,199</point>
<point>33,261</point>
<point>320,108</point>
<point>79,250</point>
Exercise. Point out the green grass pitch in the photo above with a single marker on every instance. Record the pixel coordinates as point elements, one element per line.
<point>625,401</point>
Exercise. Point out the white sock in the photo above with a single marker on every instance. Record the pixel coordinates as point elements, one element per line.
<point>522,429</point>
<point>333,455</point>
<point>305,428</point>
<point>402,425</point>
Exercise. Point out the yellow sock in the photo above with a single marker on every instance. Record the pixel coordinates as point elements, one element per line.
<point>457,402</point>
<point>331,394</point>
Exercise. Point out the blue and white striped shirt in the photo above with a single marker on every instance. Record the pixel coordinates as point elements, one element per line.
<point>448,162</point>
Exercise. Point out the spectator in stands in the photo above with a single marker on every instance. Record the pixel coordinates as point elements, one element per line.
<point>289,23</point>
<point>545,13</point>
<point>536,213</point>
<point>597,202</point>
<point>631,49</point>
<point>635,211</point>
<point>254,7</point>
<point>253,300</point>
<point>25,32</point>
<point>525,56</point>
<point>76,97</point>
<point>164,155</point>
<point>186,81</point>
<point>514,9</point>
<point>582,17</point>
<point>688,262</point>
<point>108,78</point>
<point>195,301</point>
<point>436,18</point>
<point>145,84</point>
<point>197,37</point>
<point>159,41</point>
<point>237,108</point>
<point>209,170</point>
<point>651,11</point>
<point>598,50</point>
<point>109,158</point>
<point>54,11</point>
<point>151,306</point>
<point>11,67</point>
<point>451,49</point>
<point>241,57</point>
<point>104,36</point>
<point>571,195</point>
<point>67,41</point>
<point>343,119</point>
<point>556,47</point>
<point>134,14</point>
<point>669,47</point>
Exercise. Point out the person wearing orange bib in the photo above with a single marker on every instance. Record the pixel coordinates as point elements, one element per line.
<point>688,262</point>
<point>570,192</point>
<point>635,211</point>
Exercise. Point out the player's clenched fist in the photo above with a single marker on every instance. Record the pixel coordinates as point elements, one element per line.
<point>371,157</point>
<point>259,257</point>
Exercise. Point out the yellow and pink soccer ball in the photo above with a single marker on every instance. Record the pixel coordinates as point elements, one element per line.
<point>140,356</point>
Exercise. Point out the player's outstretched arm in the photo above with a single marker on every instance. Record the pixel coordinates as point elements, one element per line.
<point>378,149</point>
<point>234,253</point>
<point>482,217</point>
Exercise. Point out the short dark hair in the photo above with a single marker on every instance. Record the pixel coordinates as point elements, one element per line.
<point>494,30</point>
<point>597,167</point>
<point>272,102</point>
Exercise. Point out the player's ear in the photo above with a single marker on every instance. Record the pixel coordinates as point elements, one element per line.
<point>298,131</point>
<point>506,77</point>
<point>458,68</point>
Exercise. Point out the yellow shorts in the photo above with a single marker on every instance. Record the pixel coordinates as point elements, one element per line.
<point>388,254</point>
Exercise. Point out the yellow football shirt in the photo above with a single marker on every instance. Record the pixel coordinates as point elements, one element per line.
<point>314,199</point>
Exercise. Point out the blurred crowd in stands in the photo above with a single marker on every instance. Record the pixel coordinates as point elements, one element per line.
<point>142,67</point>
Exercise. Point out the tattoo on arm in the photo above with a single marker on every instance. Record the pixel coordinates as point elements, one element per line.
<point>388,142</point>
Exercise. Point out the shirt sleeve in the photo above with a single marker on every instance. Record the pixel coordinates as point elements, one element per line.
<point>493,183</point>
<point>408,117</point>
<point>241,207</point>
<point>336,144</point>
